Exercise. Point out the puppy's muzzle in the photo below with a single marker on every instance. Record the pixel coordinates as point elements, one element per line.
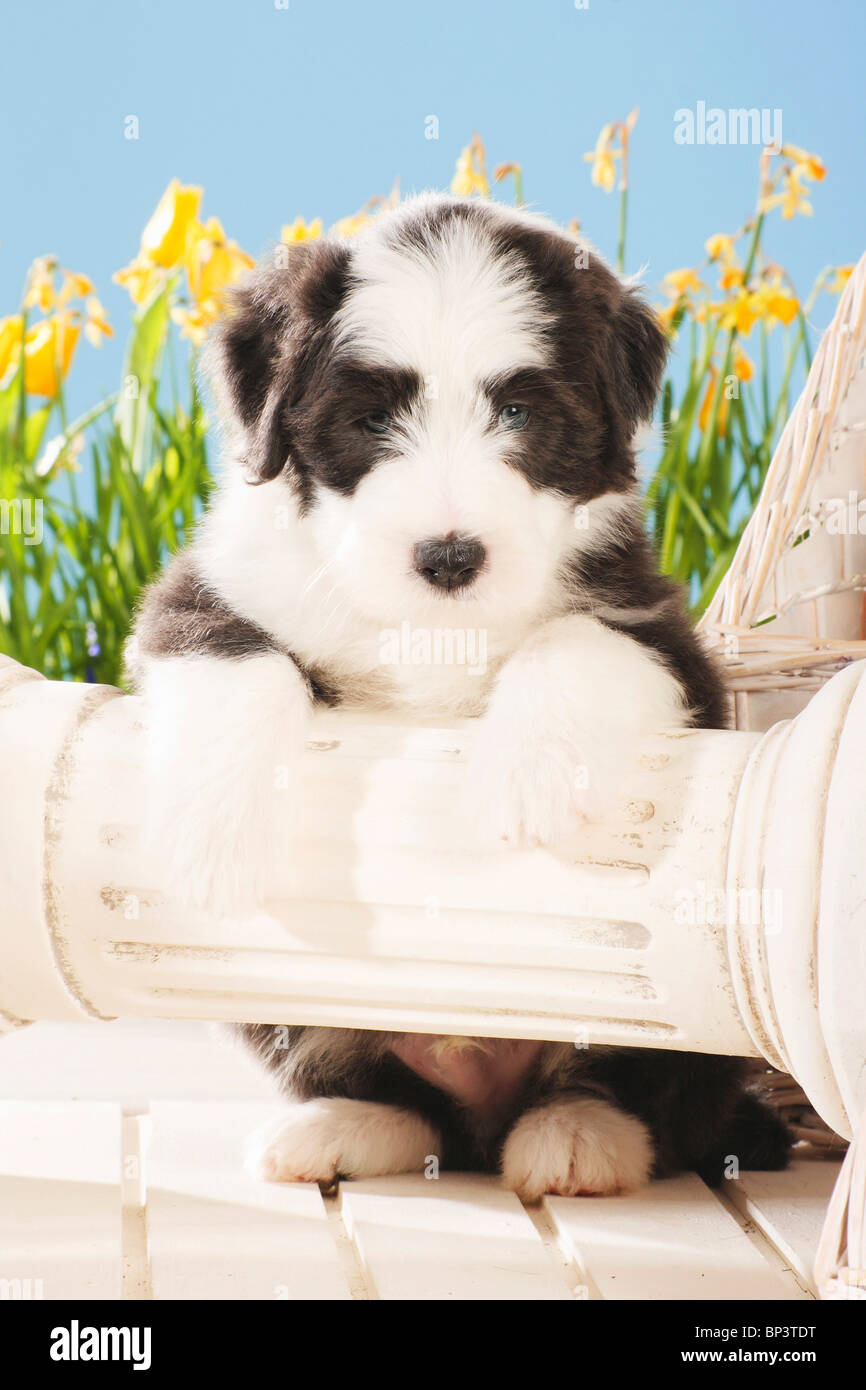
<point>449,562</point>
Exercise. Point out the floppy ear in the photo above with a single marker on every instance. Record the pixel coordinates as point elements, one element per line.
<point>245,361</point>
<point>640,351</point>
<point>262,350</point>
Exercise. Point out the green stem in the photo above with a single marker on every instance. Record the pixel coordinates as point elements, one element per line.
<point>620,245</point>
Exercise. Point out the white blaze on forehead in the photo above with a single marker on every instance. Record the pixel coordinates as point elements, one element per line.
<point>458,310</point>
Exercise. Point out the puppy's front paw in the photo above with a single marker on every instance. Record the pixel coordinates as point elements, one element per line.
<point>320,1140</point>
<point>563,730</point>
<point>536,786</point>
<point>225,742</point>
<point>576,1146</point>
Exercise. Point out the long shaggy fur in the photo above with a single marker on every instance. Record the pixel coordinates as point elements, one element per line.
<point>434,423</point>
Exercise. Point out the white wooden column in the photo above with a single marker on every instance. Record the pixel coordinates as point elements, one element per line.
<point>721,909</point>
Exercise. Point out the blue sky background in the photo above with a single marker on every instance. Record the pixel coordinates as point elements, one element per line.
<point>310,109</point>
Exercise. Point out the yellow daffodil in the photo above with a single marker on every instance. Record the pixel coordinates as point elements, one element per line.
<point>793,199</point>
<point>96,325</point>
<point>678,282</point>
<point>470,175</point>
<point>11,329</point>
<point>74,286</point>
<point>163,241</point>
<point>48,350</point>
<point>744,367</point>
<point>839,278</point>
<point>707,403</point>
<point>213,263</point>
<point>771,300</point>
<point>193,323</point>
<point>603,159</point>
<point>720,247</point>
<point>299,230</point>
<point>40,292</point>
<point>502,171</point>
<point>140,278</point>
<point>515,171</point>
<point>740,312</point>
<point>809,165</point>
<point>731,277</point>
<point>350,226</point>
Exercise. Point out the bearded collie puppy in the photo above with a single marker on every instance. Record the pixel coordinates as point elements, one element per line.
<point>434,423</point>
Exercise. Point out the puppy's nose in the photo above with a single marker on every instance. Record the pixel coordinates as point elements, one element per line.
<point>449,562</point>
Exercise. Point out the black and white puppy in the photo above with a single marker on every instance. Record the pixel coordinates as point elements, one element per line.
<point>434,423</point>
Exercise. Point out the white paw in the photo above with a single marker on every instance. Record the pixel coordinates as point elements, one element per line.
<point>563,730</point>
<point>225,741</point>
<point>537,786</point>
<point>576,1146</point>
<point>320,1140</point>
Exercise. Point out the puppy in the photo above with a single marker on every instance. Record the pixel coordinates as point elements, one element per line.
<point>434,423</point>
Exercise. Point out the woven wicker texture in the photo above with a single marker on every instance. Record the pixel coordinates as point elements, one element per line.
<point>791,609</point>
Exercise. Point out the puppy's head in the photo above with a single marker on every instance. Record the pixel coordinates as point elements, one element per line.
<point>451,397</point>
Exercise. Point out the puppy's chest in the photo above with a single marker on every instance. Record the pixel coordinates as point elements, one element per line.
<point>460,688</point>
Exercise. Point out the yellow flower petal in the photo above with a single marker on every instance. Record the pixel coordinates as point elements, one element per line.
<point>299,230</point>
<point>678,282</point>
<point>706,406</point>
<point>96,325</point>
<point>740,312</point>
<point>213,263</point>
<point>469,174</point>
<point>809,165</point>
<point>163,240</point>
<point>48,352</point>
<point>720,247</point>
<point>350,226</point>
<point>11,329</point>
<point>731,277</point>
<point>40,293</point>
<point>140,278</point>
<point>744,367</point>
<point>841,275</point>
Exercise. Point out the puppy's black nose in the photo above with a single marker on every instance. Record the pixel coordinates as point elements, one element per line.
<point>449,562</point>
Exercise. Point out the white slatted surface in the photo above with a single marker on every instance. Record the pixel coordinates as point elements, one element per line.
<point>789,1208</point>
<point>78,1212</point>
<point>60,1198</point>
<point>217,1233</point>
<point>675,1240</point>
<point>459,1236</point>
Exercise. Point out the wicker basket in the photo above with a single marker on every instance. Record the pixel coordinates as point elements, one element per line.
<point>791,610</point>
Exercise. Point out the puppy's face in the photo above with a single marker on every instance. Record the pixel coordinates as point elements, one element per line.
<point>452,397</point>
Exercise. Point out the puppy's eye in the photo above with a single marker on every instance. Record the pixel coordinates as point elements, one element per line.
<point>514,417</point>
<point>377,422</point>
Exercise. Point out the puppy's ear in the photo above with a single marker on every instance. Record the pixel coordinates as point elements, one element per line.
<point>640,351</point>
<point>259,352</point>
<point>243,359</point>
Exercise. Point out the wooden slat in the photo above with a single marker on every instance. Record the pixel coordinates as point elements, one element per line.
<point>60,1199</point>
<point>789,1208</point>
<point>216,1233</point>
<point>672,1240</point>
<point>461,1236</point>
